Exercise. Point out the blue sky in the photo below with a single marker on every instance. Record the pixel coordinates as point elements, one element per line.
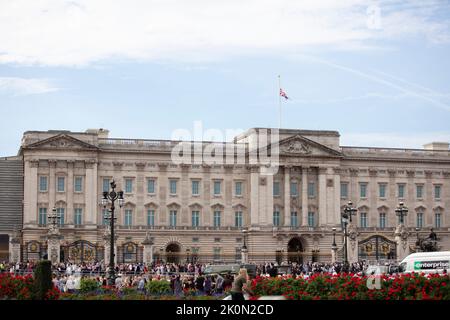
<point>376,71</point>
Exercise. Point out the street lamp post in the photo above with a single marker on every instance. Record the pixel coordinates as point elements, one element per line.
<point>244,247</point>
<point>333,247</point>
<point>349,211</point>
<point>110,198</point>
<point>54,219</point>
<point>401,211</point>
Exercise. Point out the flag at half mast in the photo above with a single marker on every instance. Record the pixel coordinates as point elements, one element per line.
<point>283,94</point>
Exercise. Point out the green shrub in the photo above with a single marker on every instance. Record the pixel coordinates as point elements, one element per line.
<point>42,279</point>
<point>88,285</point>
<point>159,287</point>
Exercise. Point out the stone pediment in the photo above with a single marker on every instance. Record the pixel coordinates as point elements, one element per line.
<point>62,141</point>
<point>301,146</point>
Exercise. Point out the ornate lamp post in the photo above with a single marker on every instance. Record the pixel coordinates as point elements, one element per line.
<point>350,210</point>
<point>244,249</point>
<point>109,198</point>
<point>188,251</point>
<point>345,221</point>
<point>333,247</point>
<point>401,211</point>
<point>54,219</point>
<point>53,246</point>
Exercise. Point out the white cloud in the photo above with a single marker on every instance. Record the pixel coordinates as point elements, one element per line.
<point>22,86</point>
<point>55,32</point>
<point>393,139</point>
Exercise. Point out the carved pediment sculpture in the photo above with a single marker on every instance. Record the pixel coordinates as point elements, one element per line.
<point>296,146</point>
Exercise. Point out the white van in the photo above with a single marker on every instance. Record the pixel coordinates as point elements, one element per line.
<point>426,262</point>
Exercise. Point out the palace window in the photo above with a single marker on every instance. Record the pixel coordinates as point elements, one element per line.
<point>105,217</point>
<point>151,218</point>
<point>294,219</point>
<point>128,217</point>
<point>42,216</point>
<point>294,189</point>
<point>105,185</point>
<point>311,189</point>
<point>173,186</point>
<point>217,185</point>
<point>78,213</point>
<point>43,184</point>
<point>238,188</point>
<point>216,219</point>
<point>276,189</point>
<point>60,213</point>
<point>419,219</point>
<point>195,218</point>
<point>419,191</point>
<point>128,185</point>
<point>344,190</point>
<point>437,192</point>
<point>173,218</point>
<point>363,190</point>
<point>382,190</point>
<point>238,219</point>
<point>216,251</point>
<point>276,218</point>
<point>311,222</point>
<point>61,184</point>
<point>195,187</point>
<point>78,184</point>
<point>382,220</point>
<point>363,220</point>
<point>151,186</point>
<point>401,190</point>
<point>437,220</point>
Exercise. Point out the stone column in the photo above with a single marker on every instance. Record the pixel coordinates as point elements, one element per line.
<point>70,189</point>
<point>30,192</point>
<point>322,196</point>
<point>244,255</point>
<point>92,198</point>
<point>148,250</point>
<point>269,199</point>
<point>337,197</point>
<point>254,195</point>
<point>304,196</point>
<point>14,250</point>
<point>54,247</point>
<point>287,196</point>
<point>352,244</point>
<point>51,185</point>
<point>401,237</point>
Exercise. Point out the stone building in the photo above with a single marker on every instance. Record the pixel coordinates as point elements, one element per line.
<point>203,211</point>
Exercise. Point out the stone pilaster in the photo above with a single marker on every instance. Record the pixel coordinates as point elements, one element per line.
<point>91,196</point>
<point>322,196</point>
<point>304,196</point>
<point>287,195</point>
<point>30,191</point>
<point>254,195</point>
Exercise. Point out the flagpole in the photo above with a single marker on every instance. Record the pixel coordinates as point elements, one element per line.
<point>279,101</point>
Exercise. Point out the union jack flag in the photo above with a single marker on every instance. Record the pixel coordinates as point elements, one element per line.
<point>283,94</point>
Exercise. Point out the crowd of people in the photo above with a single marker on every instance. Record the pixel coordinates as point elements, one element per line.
<point>187,277</point>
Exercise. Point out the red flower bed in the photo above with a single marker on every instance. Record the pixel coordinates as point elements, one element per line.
<point>351,287</point>
<point>21,288</point>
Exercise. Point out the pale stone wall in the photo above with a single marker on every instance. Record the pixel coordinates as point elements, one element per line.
<point>54,154</point>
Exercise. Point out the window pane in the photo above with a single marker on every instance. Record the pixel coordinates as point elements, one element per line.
<point>151,186</point>
<point>43,184</point>
<point>311,189</point>
<point>61,186</point>
<point>363,190</point>
<point>311,219</point>
<point>173,186</point>
<point>128,217</point>
<point>401,190</point>
<point>216,187</point>
<point>238,219</point>
<point>195,218</point>
<point>382,220</point>
<point>151,218</point>
<point>363,220</point>
<point>105,185</point>
<point>217,218</point>
<point>173,218</point>
<point>382,190</point>
<point>437,192</point>
<point>42,216</point>
<point>78,184</point>
<point>437,220</point>
<point>238,188</point>
<point>294,222</point>
<point>419,191</point>
<point>294,191</point>
<point>276,218</point>
<point>344,190</point>
<point>128,185</point>
<point>60,214</point>
<point>276,188</point>
<point>78,215</point>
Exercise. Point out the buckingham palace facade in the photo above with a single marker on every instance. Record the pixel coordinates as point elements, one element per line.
<point>207,212</point>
